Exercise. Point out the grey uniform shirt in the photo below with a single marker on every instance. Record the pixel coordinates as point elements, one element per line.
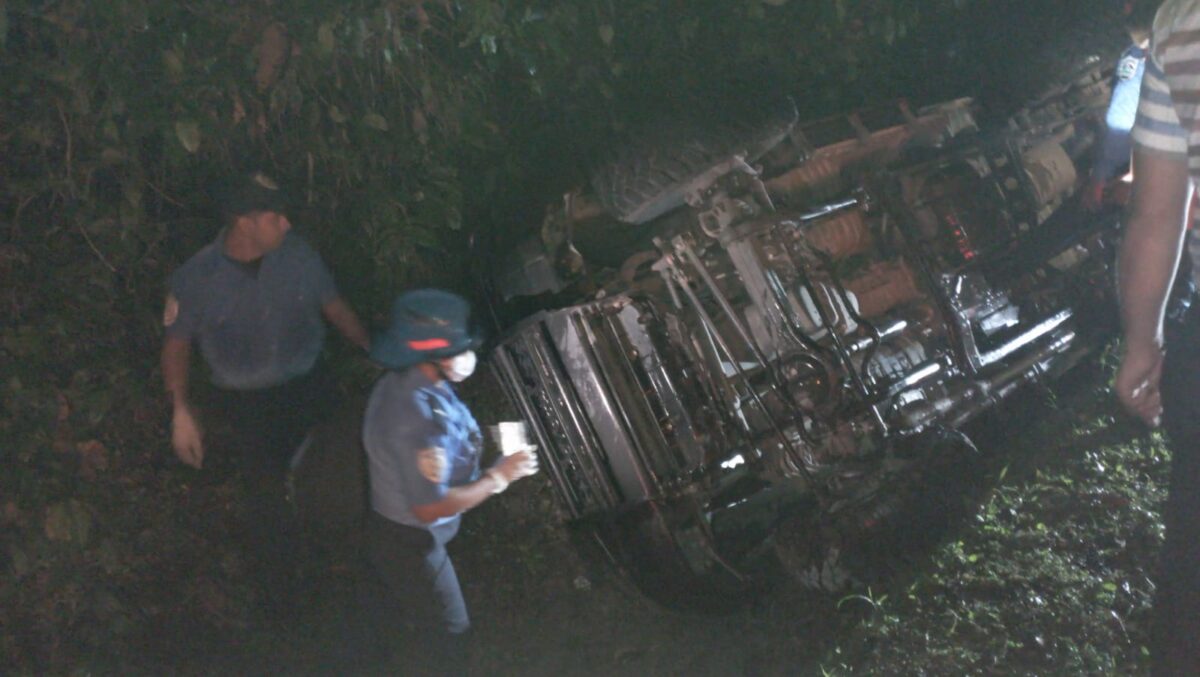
<point>257,325</point>
<point>420,441</point>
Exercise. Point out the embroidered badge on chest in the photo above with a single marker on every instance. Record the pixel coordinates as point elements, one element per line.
<point>432,463</point>
<point>1127,68</point>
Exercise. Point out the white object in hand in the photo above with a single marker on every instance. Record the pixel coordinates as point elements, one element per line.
<point>511,437</point>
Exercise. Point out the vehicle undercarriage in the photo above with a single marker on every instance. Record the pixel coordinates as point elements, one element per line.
<point>771,341</point>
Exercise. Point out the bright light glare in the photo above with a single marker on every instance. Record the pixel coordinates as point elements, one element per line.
<point>733,462</point>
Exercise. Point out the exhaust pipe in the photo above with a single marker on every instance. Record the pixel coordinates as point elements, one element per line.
<point>966,398</point>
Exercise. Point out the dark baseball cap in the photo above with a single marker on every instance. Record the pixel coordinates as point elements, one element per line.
<point>254,192</point>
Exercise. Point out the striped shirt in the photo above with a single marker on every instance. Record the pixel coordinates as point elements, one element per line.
<point>1168,119</point>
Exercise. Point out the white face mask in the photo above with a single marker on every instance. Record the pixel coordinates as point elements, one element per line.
<point>459,367</point>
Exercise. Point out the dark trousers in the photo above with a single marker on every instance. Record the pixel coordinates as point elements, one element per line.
<point>411,609</point>
<point>1176,640</point>
<point>266,428</point>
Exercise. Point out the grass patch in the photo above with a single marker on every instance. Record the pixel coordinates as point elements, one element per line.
<point>1054,576</point>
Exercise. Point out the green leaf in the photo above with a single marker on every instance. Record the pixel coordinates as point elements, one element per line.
<point>109,557</point>
<point>109,131</point>
<point>325,40</point>
<point>67,522</point>
<point>112,156</point>
<point>375,121</point>
<point>58,523</point>
<point>173,63</point>
<point>21,562</point>
<point>188,134</point>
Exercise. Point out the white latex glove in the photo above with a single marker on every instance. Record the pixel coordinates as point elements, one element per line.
<point>518,464</point>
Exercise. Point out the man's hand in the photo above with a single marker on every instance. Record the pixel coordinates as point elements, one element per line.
<point>187,438</point>
<point>340,315</point>
<point>517,465</point>
<point>1150,250</point>
<point>1137,383</point>
<point>185,431</point>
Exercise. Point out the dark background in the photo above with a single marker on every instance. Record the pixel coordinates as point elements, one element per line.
<point>405,130</point>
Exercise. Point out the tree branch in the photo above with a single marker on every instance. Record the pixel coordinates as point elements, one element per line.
<point>95,249</point>
<point>62,115</point>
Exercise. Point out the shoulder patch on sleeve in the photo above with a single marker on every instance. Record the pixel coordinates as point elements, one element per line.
<point>170,310</point>
<point>432,463</point>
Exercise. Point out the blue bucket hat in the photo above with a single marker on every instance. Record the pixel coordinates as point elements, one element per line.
<point>425,324</point>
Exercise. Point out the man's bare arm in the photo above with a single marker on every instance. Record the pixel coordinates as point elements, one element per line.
<point>175,356</point>
<point>1152,243</point>
<point>344,318</point>
<point>461,499</point>
<point>186,436</point>
<point>456,500</point>
<point>1148,259</point>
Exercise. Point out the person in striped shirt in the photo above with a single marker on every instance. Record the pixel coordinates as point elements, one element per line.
<point>1159,376</point>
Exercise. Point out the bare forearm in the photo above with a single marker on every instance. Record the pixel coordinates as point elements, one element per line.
<point>341,316</point>
<point>175,356</point>
<point>1153,240</point>
<point>457,500</point>
<point>1147,269</point>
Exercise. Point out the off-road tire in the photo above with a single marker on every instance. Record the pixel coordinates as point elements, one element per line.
<point>647,175</point>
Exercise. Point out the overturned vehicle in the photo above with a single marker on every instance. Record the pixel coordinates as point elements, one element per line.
<point>754,355</point>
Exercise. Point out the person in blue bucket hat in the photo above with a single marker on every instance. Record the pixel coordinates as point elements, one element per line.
<point>423,451</point>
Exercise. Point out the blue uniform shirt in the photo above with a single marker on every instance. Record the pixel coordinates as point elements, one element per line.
<point>420,441</point>
<point>257,325</point>
<point>1122,111</point>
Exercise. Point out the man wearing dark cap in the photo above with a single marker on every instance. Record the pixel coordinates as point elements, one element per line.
<point>255,302</point>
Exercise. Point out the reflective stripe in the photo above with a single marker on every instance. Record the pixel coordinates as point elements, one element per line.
<point>429,344</point>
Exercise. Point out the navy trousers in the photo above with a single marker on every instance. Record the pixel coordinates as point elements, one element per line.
<point>267,427</point>
<point>411,605</point>
<point>1176,641</point>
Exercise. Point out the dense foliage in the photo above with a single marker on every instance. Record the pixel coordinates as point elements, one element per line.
<point>399,127</point>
